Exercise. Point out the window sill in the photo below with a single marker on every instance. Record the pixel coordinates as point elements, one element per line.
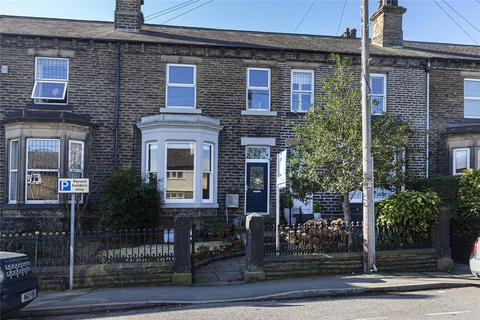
<point>32,206</point>
<point>180,110</point>
<point>171,205</point>
<point>258,113</point>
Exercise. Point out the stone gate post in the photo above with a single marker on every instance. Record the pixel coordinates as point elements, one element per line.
<point>441,240</point>
<point>182,269</point>
<point>254,248</point>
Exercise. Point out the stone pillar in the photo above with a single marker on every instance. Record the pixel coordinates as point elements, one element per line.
<point>182,268</point>
<point>254,248</point>
<point>441,240</point>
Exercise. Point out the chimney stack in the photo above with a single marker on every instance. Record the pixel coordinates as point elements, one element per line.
<point>128,15</point>
<point>387,24</point>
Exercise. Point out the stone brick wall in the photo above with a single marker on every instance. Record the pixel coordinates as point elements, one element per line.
<point>221,93</point>
<point>128,15</point>
<point>107,276</point>
<point>446,107</point>
<point>419,260</point>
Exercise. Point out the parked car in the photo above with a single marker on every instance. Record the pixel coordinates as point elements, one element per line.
<point>475,258</point>
<point>18,284</point>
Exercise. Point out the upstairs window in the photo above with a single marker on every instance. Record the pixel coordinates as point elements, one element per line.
<point>258,89</point>
<point>302,90</point>
<point>51,80</point>
<point>471,98</point>
<point>378,94</point>
<point>461,160</point>
<point>181,86</point>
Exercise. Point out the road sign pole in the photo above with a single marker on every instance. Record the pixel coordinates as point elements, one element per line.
<point>367,161</point>
<point>72,237</point>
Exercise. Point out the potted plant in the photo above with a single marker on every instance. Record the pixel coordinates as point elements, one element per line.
<point>317,210</point>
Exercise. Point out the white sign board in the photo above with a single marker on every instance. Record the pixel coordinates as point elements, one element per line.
<point>73,185</point>
<point>232,200</point>
<point>378,195</point>
<point>282,168</point>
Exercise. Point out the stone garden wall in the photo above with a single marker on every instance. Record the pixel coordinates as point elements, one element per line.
<point>108,275</point>
<point>415,260</point>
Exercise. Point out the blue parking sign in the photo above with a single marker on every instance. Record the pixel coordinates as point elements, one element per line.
<point>64,185</point>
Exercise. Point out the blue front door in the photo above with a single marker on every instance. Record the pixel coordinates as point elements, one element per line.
<point>257,187</point>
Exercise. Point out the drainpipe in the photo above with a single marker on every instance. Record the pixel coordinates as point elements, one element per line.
<point>427,74</point>
<point>117,106</point>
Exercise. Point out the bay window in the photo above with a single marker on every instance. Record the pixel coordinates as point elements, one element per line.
<point>207,172</point>
<point>152,161</point>
<point>461,160</point>
<point>301,90</point>
<point>181,86</point>
<point>258,89</point>
<point>378,94</point>
<point>13,172</point>
<point>471,98</point>
<point>51,80</point>
<point>180,159</point>
<point>42,170</point>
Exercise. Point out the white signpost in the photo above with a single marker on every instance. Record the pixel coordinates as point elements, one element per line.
<point>280,183</point>
<point>72,186</point>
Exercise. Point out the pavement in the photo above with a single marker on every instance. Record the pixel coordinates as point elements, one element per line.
<point>117,299</point>
<point>221,272</point>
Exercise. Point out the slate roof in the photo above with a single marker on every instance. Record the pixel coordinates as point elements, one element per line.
<point>82,29</point>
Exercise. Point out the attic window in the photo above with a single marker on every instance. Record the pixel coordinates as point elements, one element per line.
<point>51,80</point>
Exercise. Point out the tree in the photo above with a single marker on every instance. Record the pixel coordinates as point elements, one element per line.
<point>328,155</point>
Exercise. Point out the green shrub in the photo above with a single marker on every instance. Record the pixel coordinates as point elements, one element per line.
<point>446,188</point>
<point>410,214</point>
<point>129,202</point>
<point>469,194</point>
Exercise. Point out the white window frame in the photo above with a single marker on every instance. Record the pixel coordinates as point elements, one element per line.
<point>43,80</point>
<point>384,76</point>
<point>194,143</point>
<point>469,98</point>
<point>454,162</point>
<point>147,158</point>
<point>41,170</point>
<point>267,161</point>
<point>312,75</point>
<point>181,85</point>
<point>212,153</point>
<point>259,88</point>
<point>478,158</point>
<point>10,170</point>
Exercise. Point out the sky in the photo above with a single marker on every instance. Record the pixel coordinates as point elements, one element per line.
<point>423,21</point>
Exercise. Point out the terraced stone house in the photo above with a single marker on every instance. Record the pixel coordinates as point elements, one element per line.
<point>204,110</point>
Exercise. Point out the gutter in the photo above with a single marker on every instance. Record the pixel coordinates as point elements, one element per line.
<point>427,147</point>
<point>117,105</point>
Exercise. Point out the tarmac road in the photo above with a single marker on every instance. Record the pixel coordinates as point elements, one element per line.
<point>460,303</point>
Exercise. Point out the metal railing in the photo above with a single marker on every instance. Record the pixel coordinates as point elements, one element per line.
<point>92,247</point>
<point>322,236</point>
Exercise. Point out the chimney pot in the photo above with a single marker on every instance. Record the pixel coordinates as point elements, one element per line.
<point>353,33</point>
